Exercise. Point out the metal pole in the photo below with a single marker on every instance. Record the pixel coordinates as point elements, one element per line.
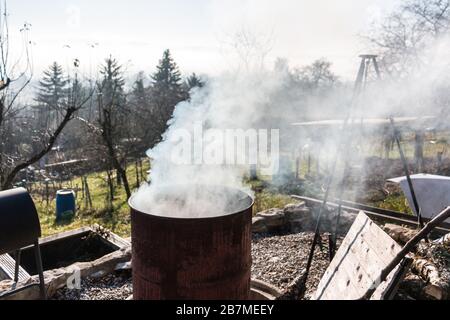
<point>357,91</point>
<point>322,208</point>
<point>17,266</point>
<point>360,84</point>
<point>40,269</point>
<point>408,176</point>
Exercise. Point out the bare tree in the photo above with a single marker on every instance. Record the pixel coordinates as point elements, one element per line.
<point>405,35</point>
<point>16,72</point>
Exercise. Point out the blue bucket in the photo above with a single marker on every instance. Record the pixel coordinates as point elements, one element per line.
<point>65,204</point>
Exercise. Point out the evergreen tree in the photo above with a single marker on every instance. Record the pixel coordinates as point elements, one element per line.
<point>167,90</point>
<point>139,93</point>
<point>193,81</point>
<point>112,84</point>
<point>52,93</point>
<point>52,87</point>
<point>167,76</point>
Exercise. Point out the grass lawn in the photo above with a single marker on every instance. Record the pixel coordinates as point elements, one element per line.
<point>116,219</point>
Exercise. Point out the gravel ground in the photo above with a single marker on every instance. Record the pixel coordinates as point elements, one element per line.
<point>110,287</point>
<point>277,259</point>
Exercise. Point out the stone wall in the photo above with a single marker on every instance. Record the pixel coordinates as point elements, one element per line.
<point>300,218</point>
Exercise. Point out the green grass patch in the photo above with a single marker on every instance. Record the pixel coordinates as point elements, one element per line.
<point>115,217</point>
<point>396,203</point>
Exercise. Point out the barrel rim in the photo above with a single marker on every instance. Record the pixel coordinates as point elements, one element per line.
<point>178,218</point>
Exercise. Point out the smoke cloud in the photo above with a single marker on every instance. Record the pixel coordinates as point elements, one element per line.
<point>252,96</point>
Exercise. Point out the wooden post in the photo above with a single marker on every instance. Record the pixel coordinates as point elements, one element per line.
<point>87,193</point>
<point>418,150</point>
<point>309,163</point>
<point>82,189</point>
<point>136,167</point>
<point>110,186</point>
<point>141,169</point>
<point>118,178</point>
<point>439,161</point>
<point>46,192</point>
<point>318,163</point>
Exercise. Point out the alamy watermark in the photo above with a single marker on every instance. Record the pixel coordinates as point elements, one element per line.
<point>74,281</point>
<point>253,147</point>
<point>73,14</point>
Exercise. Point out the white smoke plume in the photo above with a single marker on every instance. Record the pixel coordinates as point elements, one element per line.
<point>233,101</point>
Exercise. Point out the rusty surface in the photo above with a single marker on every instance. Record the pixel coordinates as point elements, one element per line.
<point>200,259</point>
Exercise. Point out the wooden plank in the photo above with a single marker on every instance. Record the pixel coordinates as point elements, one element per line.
<point>365,251</point>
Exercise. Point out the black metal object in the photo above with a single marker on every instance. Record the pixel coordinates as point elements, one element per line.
<point>361,82</point>
<point>342,148</point>
<point>19,228</point>
<point>19,221</point>
<point>408,176</point>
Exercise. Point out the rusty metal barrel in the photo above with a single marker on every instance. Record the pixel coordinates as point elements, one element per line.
<point>199,258</point>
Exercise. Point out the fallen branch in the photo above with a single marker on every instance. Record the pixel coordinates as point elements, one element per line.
<point>444,215</point>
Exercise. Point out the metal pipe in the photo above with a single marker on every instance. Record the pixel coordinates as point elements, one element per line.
<point>17,266</point>
<point>408,176</point>
<point>342,143</point>
<point>377,213</point>
<point>40,269</point>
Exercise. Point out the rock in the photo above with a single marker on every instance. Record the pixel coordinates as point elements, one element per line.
<point>400,234</point>
<point>299,225</point>
<point>123,266</point>
<point>273,218</point>
<point>270,213</point>
<point>346,221</point>
<point>297,211</point>
<point>299,217</point>
<point>259,225</point>
<point>98,274</point>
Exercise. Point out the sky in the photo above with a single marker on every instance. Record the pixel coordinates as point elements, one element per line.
<point>200,33</point>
